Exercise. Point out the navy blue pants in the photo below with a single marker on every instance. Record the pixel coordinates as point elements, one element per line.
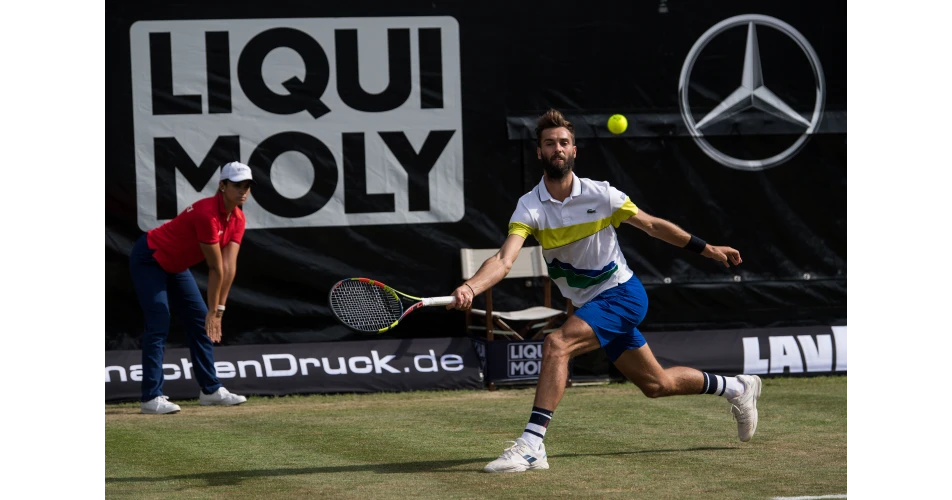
<point>157,289</point>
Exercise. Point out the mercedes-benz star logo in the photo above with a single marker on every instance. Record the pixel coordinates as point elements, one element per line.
<point>752,92</point>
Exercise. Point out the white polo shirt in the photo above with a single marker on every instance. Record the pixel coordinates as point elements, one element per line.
<point>577,235</point>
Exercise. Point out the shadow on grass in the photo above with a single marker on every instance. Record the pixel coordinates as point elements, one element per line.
<point>227,478</point>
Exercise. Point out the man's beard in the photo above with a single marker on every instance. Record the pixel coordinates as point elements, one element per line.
<point>556,172</point>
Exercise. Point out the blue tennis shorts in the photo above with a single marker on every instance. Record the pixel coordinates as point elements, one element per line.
<point>615,315</point>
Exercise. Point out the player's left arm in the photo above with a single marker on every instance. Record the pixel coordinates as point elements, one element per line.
<point>669,232</point>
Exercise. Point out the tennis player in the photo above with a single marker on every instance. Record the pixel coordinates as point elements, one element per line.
<point>574,220</point>
<point>209,230</point>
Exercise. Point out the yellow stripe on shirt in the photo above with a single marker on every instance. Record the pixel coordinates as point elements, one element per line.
<point>521,229</point>
<point>556,237</point>
<point>561,236</point>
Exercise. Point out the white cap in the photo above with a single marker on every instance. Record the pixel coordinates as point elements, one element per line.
<point>236,172</point>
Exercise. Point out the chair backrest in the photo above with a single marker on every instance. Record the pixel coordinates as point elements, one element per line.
<point>529,264</point>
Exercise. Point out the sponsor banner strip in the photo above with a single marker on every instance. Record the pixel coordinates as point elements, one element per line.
<point>814,350</point>
<point>462,363</point>
<point>324,367</point>
<point>810,350</point>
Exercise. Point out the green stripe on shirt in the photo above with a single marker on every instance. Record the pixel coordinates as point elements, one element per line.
<point>580,280</point>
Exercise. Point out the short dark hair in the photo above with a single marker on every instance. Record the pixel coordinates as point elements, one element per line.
<point>553,119</point>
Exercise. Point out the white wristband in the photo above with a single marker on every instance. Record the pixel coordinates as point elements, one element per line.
<point>221,308</point>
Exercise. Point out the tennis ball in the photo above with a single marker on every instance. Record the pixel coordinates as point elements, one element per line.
<point>617,124</point>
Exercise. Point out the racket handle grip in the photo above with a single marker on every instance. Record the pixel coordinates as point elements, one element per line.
<point>438,301</point>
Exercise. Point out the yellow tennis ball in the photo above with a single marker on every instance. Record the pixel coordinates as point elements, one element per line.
<point>617,124</point>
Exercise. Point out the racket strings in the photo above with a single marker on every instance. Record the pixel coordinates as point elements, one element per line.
<point>365,307</point>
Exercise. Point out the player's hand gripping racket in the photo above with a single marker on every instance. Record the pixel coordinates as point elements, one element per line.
<point>372,307</point>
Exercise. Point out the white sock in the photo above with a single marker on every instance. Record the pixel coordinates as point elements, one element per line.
<point>719,385</point>
<point>535,429</point>
<point>734,387</point>
<point>532,440</point>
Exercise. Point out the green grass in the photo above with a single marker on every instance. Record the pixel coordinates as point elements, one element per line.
<point>603,442</point>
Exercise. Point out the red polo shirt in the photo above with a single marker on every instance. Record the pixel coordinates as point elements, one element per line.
<point>176,243</point>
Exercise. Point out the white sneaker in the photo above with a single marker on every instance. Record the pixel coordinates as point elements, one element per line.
<point>220,397</point>
<point>518,458</point>
<point>744,407</point>
<point>159,405</point>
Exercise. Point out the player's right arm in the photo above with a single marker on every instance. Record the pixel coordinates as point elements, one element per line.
<point>491,272</point>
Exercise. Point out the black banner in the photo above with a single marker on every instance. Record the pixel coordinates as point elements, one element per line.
<point>763,351</point>
<point>385,136</point>
<point>366,366</point>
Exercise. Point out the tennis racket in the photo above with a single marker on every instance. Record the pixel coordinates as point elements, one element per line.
<point>370,306</point>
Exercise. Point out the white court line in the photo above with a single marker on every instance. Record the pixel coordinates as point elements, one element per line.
<point>819,497</point>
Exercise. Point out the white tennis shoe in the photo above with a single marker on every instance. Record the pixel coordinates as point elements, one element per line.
<point>744,407</point>
<point>159,406</point>
<point>221,397</point>
<point>518,458</point>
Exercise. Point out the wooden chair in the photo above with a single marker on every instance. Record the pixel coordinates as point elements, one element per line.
<point>537,320</point>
